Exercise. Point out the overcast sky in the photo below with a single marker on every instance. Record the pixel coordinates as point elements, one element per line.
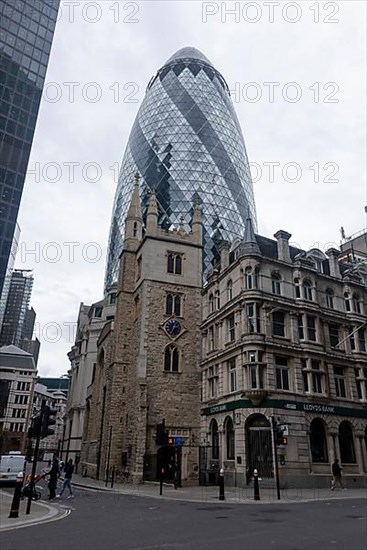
<point>297,75</point>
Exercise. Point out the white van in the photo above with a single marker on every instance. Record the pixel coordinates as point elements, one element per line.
<point>10,466</point>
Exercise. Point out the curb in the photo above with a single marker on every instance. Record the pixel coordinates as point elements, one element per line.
<point>53,514</point>
<point>214,500</point>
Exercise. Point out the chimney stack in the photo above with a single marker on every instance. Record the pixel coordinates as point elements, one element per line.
<point>283,245</point>
<point>333,254</point>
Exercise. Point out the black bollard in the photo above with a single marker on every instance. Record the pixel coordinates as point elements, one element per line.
<point>112,476</point>
<point>161,482</point>
<point>256,485</point>
<point>14,510</point>
<point>221,484</point>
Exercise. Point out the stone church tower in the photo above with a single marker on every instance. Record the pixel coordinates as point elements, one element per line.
<point>148,358</point>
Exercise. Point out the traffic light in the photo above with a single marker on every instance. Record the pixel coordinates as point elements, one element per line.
<point>279,436</point>
<point>35,428</point>
<point>48,419</point>
<point>162,434</point>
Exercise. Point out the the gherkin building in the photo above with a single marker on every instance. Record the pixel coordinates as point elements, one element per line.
<point>187,144</point>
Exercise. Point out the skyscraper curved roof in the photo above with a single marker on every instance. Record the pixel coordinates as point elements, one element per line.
<point>188,53</point>
<point>187,143</point>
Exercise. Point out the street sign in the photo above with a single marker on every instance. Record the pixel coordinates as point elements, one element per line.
<point>178,441</point>
<point>285,429</point>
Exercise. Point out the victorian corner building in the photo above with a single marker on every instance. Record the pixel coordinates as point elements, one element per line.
<point>217,334</point>
<point>284,338</point>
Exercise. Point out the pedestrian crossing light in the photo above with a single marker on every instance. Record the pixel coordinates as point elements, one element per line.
<point>280,438</point>
<point>48,419</point>
<point>162,434</point>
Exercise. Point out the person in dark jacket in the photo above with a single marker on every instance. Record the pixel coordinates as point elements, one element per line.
<point>337,475</point>
<point>54,474</point>
<point>69,469</point>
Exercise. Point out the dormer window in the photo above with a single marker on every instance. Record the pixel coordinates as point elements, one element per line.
<point>98,312</point>
<point>112,298</point>
<point>135,230</point>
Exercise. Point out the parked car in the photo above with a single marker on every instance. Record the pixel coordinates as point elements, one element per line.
<point>10,466</point>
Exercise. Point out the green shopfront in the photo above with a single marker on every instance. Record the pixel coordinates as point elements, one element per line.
<point>238,436</point>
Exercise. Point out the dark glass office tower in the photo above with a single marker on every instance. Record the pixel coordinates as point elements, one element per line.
<point>26,33</point>
<point>187,144</point>
<point>16,320</point>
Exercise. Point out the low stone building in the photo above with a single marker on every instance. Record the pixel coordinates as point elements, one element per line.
<point>83,360</point>
<point>147,368</point>
<point>284,342</point>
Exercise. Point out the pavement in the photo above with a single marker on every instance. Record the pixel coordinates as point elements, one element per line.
<point>40,512</point>
<point>45,511</point>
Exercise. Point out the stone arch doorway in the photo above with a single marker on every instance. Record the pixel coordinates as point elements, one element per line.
<point>259,452</point>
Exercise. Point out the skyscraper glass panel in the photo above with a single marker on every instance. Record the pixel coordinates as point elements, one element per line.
<point>26,33</point>
<point>187,144</point>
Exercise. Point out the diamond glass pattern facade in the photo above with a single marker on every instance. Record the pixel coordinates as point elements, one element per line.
<point>26,33</point>
<point>187,144</point>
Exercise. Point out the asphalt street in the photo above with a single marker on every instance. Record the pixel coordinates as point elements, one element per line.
<point>117,522</point>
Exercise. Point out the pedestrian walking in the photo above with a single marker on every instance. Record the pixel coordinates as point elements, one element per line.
<point>337,475</point>
<point>53,477</point>
<point>69,469</point>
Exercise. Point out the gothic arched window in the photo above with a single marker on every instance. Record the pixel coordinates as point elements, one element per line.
<point>171,359</point>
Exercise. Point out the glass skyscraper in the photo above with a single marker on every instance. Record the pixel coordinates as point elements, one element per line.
<point>21,284</point>
<point>26,33</point>
<point>187,144</point>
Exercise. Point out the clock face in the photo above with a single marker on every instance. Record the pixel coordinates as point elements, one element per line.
<point>173,327</point>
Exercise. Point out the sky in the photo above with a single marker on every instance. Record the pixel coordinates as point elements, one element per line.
<point>297,75</point>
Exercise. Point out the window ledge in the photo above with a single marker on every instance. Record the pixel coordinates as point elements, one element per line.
<point>227,344</point>
<point>171,372</point>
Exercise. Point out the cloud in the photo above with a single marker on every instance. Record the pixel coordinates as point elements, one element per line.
<point>120,58</point>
